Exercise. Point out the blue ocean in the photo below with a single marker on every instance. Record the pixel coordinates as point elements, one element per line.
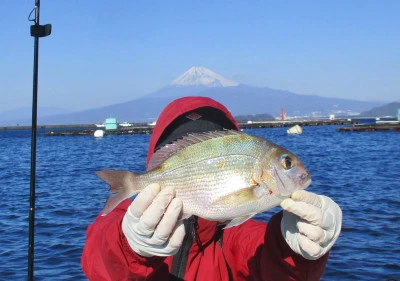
<point>360,171</point>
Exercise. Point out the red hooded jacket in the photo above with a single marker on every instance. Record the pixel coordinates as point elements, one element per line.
<point>253,250</point>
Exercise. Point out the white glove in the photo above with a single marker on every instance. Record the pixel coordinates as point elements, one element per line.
<point>151,223</point>
<point>311,223</point>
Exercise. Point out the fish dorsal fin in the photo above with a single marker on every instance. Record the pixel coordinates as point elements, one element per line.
<point>170,149</point>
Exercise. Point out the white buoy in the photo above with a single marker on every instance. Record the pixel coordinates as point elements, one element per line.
<point>99,133</point>
<point>295,130</point>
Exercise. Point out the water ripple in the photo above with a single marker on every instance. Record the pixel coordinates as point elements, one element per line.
<point>358,170</point>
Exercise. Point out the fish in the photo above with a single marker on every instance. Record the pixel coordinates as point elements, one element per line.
<point>226,176</point>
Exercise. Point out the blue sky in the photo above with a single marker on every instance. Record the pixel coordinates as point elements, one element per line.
<point>105,52</point>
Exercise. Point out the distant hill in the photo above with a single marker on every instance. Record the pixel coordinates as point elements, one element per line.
<point>254,117</point>
<point>382,111</point>
<point>23,115</point>
<point>240,99</point>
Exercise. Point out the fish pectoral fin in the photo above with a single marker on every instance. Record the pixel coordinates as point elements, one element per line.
<point>239,220</point>
<point>238,197</point>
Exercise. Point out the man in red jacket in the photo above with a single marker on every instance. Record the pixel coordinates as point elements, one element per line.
<point>146,240</point>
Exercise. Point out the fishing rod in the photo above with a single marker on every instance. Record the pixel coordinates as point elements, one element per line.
<point>37,31</point>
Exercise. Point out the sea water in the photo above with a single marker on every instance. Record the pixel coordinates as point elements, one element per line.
<point>360,171</point>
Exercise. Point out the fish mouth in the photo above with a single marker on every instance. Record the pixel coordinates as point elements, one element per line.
<point>283,191</point>
<point>306,184</point>
<point>305,180</point>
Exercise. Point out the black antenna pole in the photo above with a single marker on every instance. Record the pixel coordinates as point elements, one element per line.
<point>36,31</point>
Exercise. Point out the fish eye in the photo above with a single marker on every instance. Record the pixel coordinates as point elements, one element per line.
<point>286,162</point>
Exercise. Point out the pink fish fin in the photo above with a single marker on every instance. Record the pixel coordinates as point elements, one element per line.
<point>200,137</point>
<point>238,197</point>
<point>170,149</point>
<point>239,220</point>
<point>118,179</point>
<point>123,183</point>
<point>161,155</point>
<point>114,201</point>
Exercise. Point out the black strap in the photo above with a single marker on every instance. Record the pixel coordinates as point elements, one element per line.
<point>220,237</point>
<point>179,261</point>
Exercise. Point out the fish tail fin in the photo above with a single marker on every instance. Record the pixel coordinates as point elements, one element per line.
<point>123,183</point>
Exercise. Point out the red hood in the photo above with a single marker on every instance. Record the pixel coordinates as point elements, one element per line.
<point>179,107</point>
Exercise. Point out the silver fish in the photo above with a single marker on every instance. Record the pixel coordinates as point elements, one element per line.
<point>225,176</point>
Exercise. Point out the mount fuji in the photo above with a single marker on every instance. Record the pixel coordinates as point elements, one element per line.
<point>240,99</point>
<point>201,76</point>
<point>195,80</point>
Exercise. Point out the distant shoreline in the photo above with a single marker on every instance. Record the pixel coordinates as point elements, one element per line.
<point>4,128</point>
<point>139,128</point>
<point>242,124</point>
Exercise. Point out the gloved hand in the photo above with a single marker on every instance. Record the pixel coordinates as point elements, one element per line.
<point>311,223</point>
<point>151,223</point>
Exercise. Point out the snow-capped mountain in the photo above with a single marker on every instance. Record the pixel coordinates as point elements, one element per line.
<point>201,76</point>
<point>240,99</point>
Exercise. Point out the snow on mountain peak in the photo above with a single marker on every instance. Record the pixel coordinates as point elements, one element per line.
<point>201,76</point>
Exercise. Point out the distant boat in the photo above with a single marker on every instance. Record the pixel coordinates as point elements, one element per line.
<point>152,123</point>
<point>125,124</point>
<point>100,125</point>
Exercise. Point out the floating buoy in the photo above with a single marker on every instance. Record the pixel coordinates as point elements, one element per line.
<point>99,133</point>
<point>295,130</point>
